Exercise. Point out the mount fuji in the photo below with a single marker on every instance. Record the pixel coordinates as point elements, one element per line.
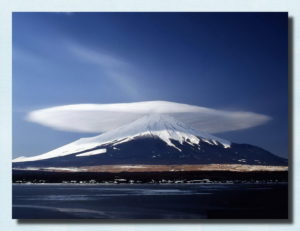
<point>154,139</point>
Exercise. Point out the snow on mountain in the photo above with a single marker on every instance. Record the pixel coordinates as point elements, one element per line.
<point>159,126</point>
<point>94,152</point>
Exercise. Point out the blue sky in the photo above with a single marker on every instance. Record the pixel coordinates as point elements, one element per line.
<point>228,61</point>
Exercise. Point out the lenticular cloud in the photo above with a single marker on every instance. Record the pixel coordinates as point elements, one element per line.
<point>98,118</point>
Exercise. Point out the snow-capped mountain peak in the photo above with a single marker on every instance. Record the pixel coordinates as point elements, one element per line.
<point>159,126</point>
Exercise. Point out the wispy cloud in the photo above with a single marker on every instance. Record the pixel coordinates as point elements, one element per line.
<point>115,68</point>
<point>97,118</point>
<point>99,58</point>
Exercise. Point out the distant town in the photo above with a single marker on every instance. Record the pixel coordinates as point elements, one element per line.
<point>125,181</point>
<point>202,177</point>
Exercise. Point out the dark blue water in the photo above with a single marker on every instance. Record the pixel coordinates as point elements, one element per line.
<point>144,201</point>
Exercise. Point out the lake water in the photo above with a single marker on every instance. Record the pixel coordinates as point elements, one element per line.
<point>150,201</point>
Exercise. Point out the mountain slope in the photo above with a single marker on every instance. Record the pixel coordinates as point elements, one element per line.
<point>153,139</point>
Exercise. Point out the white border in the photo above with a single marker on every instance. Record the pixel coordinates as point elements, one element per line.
<point>9,6</point>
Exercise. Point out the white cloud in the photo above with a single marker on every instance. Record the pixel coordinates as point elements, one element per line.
<point>97,118</point>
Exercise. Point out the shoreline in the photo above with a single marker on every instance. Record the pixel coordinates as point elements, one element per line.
<point>110,184</point>
<point>159,168</point>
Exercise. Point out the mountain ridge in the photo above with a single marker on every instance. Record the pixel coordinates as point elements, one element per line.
<point>152,139</point>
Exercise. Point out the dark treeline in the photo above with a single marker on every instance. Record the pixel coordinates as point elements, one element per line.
<point>144,177</point>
